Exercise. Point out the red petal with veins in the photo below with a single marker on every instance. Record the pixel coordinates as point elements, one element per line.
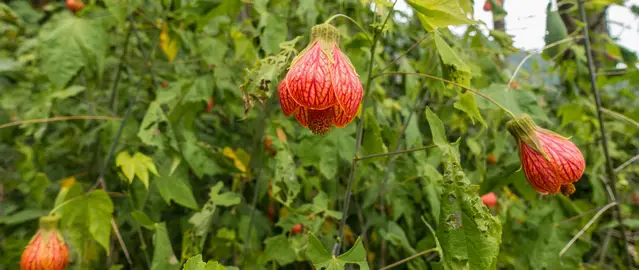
<point>565,165</point>
<point>309,81</point>
<point>286,101</point>
<point>301,115</point>
<point>341,118</point>
<point>47,251</point>
<point>346,84</point>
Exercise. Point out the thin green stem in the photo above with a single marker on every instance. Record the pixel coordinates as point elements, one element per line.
<point>404,53</point>
<point>353,21</point>
<point>399,152</point>
<point>409,258</point>
<point>489,99</point>
<point>55,209</point>
<point>619,116</point>
<point>521,63</point>
<point>602,129</point>
<point>360,132</point>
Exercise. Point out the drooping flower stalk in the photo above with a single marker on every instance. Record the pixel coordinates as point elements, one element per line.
<point>551,162</point>
<point>47,249</point>
<point>322,88</point>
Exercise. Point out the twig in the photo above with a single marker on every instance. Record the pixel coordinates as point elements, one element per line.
<point>455,84</point>
<point>404,53</point>
<point>396,152</point>
<point>583,230</point>
<point>521,63</point>
<point>147,56</point>
<point>620,117</point>
<point>117,234</point>
<point>258,150</point>
<point>354,22</point>
<point>408,259</point>
<point>116,80</point>
<point>580,215</point>
<point>59,118</point>
<point>132,102</point>
<point>602,128</point>
<point>626,164</point>
<point>360,132</point>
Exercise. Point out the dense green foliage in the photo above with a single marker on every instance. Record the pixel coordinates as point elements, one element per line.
<point>159,139</point>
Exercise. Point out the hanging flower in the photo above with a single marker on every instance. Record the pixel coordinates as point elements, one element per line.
<point>321,88</point>
<point>47,250</point>
<point>551,162</point>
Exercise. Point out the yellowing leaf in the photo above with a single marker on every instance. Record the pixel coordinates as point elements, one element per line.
<point>139,165</point>
<point>240,158</point>
<point>124,161</point>
<point>67,182</point>
<point>168,46</point>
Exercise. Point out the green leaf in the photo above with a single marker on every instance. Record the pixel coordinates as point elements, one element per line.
<point>373,143</point>
<point>22,216</point>
<point>437,129</point>
<point>174,185</point>
<point>555,31</point>
<point>163,256</point>
<point>329,162</point>
<point>285,178</point>
<point>279,249</point>
<point>202,220</point>
<point>200,90</point>
<point>93,212</point>
<point>470,236</point>
<point>274,33</point>
<point>439,13</point>
<point>156,130</point>
<point>322,259</point>
<point>454,68</point>
<point>69,43</point>
<point>37,188</point>
<point>139,165</point>
<point>143,220</point>
<point>68,92</point>
<point>121,9</point>
<point>196,263</point>
<point>197,157</point>
<point>224,199</point>
<point>467,104</point>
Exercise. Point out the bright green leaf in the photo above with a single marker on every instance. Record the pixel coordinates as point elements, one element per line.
<point>466,103</point>
<point>163,256</point>
<point>439,13</point>
<point>156,130</point>
<point>470,236</point>
<point>143,220</point>
<point>279,249</point>
<point>93,212</point>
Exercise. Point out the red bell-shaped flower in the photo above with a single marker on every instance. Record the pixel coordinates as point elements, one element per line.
<point>322,88</point>
<point>551,162</point>
<point>47,250</point>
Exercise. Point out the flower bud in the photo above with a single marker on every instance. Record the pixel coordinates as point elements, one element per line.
<point>322,88</point>
<point>551,162</point>
<point>46,250</point>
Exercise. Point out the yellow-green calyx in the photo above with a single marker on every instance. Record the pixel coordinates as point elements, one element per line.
<point>49,223</point>
<point>524,129</point>
<point>326,34</point>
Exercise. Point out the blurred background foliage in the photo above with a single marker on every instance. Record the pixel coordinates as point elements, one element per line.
<point>165,140</point>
